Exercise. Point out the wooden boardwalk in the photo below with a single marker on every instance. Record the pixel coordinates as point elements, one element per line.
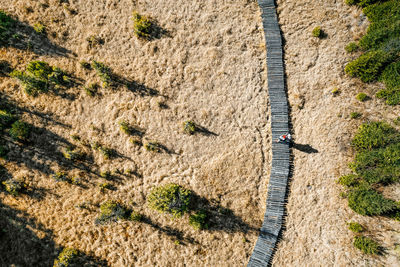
<point>278,182</point>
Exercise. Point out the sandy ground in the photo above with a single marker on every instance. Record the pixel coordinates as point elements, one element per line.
<point>209,67</point>
<point>316,233</point>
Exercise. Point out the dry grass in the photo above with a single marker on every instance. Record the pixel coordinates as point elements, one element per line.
<point>206,65</point>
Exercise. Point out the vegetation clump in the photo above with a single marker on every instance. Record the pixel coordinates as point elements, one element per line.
<point>199,220</point>
<point>355,115</point>
<point>351,47</point>
<point>67,257</point>
<point>104,72</point>
<point>153,147</point>
<point>317,32</point>
<point>170,198</point>
<point>366,245</point>
<point>355,227</point>
<point>104,186</point>
<point>13,186</point>
<point>39,27</point>
<point>136,216</point>
<point>40,77</point>
<point>362,97</point>
<point>381,47</point>
<point>73,154</point>
<point>20,131</point>
<point>189,127</point>
<point>111,211</point>
<point>142,26</point>
<point>6,119</point>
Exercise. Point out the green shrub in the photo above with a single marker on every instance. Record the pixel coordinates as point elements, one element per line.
<point>335,91</point>
<point>189,127</point>
<point>126,128</point>
<point>142,26</point>
<point>39,77</point>
<point>361,3</point>
<point>91,90</point>
<point>366,245</point>
<point>104,72</point>
<point>369,202</point>
<point>397,121</point>
<point>391,95</point>
<point>20,131</point>
<point>111,211</point>
<point>391,78</point>
<point>86,65</point>
<point>136,216</point>
<point>107,152</point>
<point>66,258</point>
<point>6,25</point>
<point>317,32</point>
<point>368,66</point>
<point>39,27</point>
<point>351,47</point>
<point>105,174</point>
<point>14,187</point>
<point>355,115</point>
<point>73,155</point>
<point>374,135</point>
<point>362,97</point>
<point>170,198</point>
<point>199,220</point>
<point>6,119</point>
<point>356,227</point>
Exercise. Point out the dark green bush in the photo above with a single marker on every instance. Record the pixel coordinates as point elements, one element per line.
<point>20,131</point>
<point>111,211</point>
<point>66,258</point>
<point>368,66</point>
<point>351,47</point>
<point>350,180</point>
<point>391,78</point>
<point>199,220</point>
<point>142,26</point>
<point>361,3</point>
<point>362,97</point>
<point>369,202</point>
<point>366,245</point>
<point>170,198</point>
<point>104,72</point>
<point>374,135</point>
<point>136,216</point>
<point>356,227</point>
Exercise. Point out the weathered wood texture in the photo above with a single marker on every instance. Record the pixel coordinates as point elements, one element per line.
<point>280,165</point>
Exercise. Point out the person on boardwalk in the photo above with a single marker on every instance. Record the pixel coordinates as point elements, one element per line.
<point>285,138</point>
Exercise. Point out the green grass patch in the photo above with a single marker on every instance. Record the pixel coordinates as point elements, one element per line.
<point>355,227</point>
<point>362,97</point>
<point>20,131</point>
<point>66,258</point>
<point>366,245</point>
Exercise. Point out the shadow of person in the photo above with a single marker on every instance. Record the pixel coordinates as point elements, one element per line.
<point>304,148</point>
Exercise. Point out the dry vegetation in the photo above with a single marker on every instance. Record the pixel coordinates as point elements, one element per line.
<point>203,62</point>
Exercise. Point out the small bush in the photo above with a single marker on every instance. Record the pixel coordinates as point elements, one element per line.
<point>351,47</point>
<point>14,187</point>
<point>94,41</point>
<point>356,227</point>
<point>153,147</point>
<point>141,25</point>
<point>397,121</point>
<point>111,211</point>
<point>362,97</point>
<point>368,66</point>
<point>350,180</point>
<point>366,245</point>
<point>39,27</point>
<point>107,152</point>
<point>355,115</point>
<point>85,65</point>
<point>125,127</point>
<point>91,90</point>
<point>67,257</point>
<point>189,127</point>
<point>368,202</point>
<point>73,155</point>
<point>136,141</point>
<point>104,186</point>
<point>136,216</point>
<point>335,92</point>
<point>105,174</point>
<point>199,220</point>
<point>170,198</point>
<point>104,72</point>
<point>20,131</point>
<point>317,32</point>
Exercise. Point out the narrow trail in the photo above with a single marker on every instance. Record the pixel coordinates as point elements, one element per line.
<point>280,166</point>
